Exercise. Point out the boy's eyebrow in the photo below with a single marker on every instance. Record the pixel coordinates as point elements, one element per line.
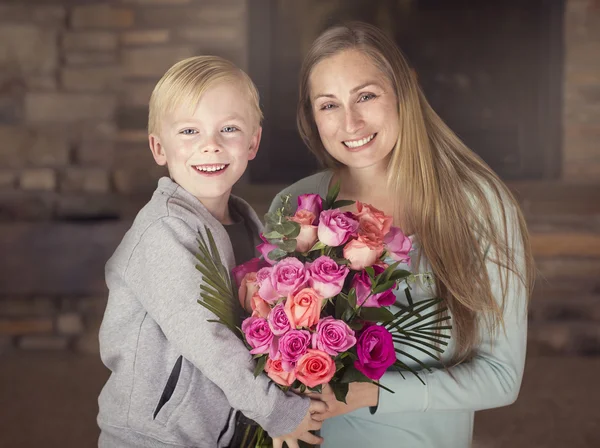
<point>354,90</point>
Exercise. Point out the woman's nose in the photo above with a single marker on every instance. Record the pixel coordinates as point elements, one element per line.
<point>354,121</point>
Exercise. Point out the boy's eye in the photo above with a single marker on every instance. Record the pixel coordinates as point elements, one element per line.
<point>366,97</point>
<point>188,132</point>
<point>230,129</point>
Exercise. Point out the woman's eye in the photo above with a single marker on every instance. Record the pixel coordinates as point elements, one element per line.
<point>327,106</point>
<point>230,129</point>
<point>189,132</point>
<point>366,97</point>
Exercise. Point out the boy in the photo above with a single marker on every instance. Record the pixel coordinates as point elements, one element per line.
<point>177,379</point>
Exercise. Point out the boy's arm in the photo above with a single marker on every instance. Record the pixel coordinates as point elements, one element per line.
<point>162,273</point>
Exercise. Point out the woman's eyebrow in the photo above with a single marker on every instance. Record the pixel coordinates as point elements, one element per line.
<point>354,90</point>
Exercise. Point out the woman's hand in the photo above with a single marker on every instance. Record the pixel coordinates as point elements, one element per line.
<point>360,395</point>
<point>311,422</point>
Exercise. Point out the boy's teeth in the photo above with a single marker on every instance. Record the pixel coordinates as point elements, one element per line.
<point>361,142</point>
<point>210,169</point>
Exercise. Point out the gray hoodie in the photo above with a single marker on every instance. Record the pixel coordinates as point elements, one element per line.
<point>177,379</point>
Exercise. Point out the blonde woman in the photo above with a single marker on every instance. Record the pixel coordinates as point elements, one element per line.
<point>365,118</point>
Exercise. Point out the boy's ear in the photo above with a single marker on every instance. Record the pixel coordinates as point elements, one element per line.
<point>254,143</point>
<point>158,152</point>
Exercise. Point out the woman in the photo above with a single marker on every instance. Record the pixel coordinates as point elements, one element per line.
<point>365,118</point>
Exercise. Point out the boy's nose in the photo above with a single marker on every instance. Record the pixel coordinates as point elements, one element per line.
<point>211,146</point>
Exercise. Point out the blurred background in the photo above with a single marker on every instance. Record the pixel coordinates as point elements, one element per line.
<point>518,80</point>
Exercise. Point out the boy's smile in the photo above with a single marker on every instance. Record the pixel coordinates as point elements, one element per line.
<point>207,146</point>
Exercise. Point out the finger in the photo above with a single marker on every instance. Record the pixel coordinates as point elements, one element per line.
<point>311,439</point>
<point>314,425</point>
<point>314,396</point>
<point>317,406</point>
<point>277,442</point>
<point>292,443</point>
<point>319,417</point>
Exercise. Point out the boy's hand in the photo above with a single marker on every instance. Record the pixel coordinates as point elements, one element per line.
<point>359,395</point>
<point>311,422</point>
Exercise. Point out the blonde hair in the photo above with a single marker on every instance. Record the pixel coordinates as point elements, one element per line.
<point>448,193</point>
<point>187,80</point>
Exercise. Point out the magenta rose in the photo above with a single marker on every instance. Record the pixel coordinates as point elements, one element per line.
<point>239,272</point>
<point>265,248</point>
<point>266,290</point>
<point>292,345</point>
<point>310,202</point>
<point>335,227</point>
<point>288,276</point>
<point>278,320</point>
<point>362,283</point>
<point>398,245</point>
<point>375,350</point>
<point>326,276</point>
<point>333,336</point>
<point>258,334</point>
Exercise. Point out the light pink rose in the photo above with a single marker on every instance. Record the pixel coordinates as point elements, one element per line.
<point>258,334</point>
<point>360,253</point>
<point>314,368</point>
<point>265,248</point>
<point>368,213</point>
<point>307,237</point>
<point>335,227</point>
<point>248,287</point>
<point>333,336</point>
<point>278,320</point>
<point>310,202</point>
<point>362,284</point>
<point>398,245</point>
<point>303,308</point>
<point>288,276</point>
<point>275,371</point>
<point>326,276</point>
<point>239,272</point>
<point>265,286</point>
<point>260,308</point>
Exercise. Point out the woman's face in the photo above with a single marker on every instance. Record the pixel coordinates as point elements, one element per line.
<point>355,109</point>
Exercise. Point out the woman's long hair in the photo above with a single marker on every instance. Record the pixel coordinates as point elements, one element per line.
<point>458,208</point>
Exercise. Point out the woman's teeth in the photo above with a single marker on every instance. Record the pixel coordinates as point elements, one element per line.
<point>210,168</point>
<point>358,143</point>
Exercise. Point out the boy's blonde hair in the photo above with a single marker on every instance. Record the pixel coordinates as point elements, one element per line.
<point>187,80</point>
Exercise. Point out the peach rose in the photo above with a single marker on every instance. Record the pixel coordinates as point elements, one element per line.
<point>362,253</point>
<point>375,216</point>
<point>314,368</point>
<point>308,232</point>
<point>248,287</point>
<point>303,308</point>
<point>276,373</point>
<point>260,308</point>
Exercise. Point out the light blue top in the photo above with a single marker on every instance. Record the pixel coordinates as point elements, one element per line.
<point>440,413</point>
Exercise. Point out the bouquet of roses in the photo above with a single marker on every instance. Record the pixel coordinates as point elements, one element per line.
<point>320,297</point>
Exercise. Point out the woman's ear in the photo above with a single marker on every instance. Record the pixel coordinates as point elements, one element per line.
<point>158,151</point>
<point>254,143</point>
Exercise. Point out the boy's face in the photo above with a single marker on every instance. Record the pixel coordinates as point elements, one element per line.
<point>207,149</point>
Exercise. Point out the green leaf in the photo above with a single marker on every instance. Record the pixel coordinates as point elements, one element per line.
<point>340,391</point>
<point>384,287</point>
<point>376,314</point>
<point>318,246</point>
<point>273,235</point>
<point>317,389</point>
<point>371,272</point>
<point>399,274</point>
<point>383,387</point>
<point>342,203</point>
<point>347,315</point>
<point>352,297</point>
<point>389,271</point>
<point>276,254</point>
<point>289,227</point>
<point>356,326</point>
<point>332,194</point>
<point>341,306</point>
<point>271,219</point>
<point>353,375</point>
<point>294,233</point>
<point>288,245</point>
<point>260,365</point>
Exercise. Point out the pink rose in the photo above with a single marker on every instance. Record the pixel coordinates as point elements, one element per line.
<point>310,202</point>
<point>335,227</point>
<point>398,245</point>
<point>248,287</point>
<point>278,320</point>
<point>258,334</point>
<point>260,308</point>
<point>333,336</point>
<point>303,308</point>
<point>368,213</point>
<point>375,350</point>
<point>288,276</point>
<point>265,285</point>
<point>326,276</point>
<point>315,368</point>
<point>275,371</point>
<point>265,248</point>
<point>307,237</point>
<point>362,284</point>
<point>292,345</point>
<point>362,253</point>
<point>239,272</point>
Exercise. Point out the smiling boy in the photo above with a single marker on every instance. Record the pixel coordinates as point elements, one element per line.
<point>178,380</point>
